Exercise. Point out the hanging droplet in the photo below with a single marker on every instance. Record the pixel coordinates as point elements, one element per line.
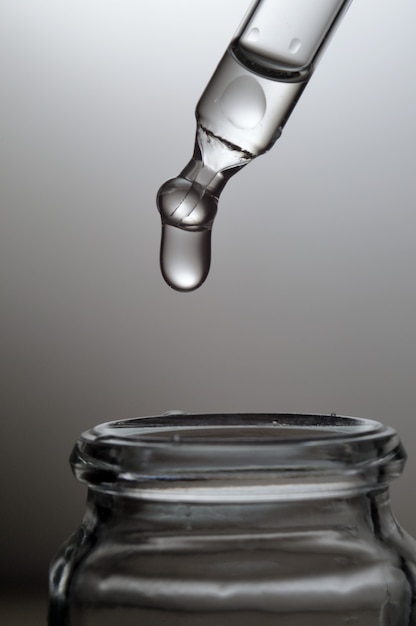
<point>185,257</point>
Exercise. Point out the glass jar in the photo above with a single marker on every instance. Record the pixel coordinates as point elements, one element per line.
<point>236,520</point>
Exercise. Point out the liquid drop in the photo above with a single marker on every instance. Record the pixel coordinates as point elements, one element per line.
<point>185,257</point>
<point>187,209</point>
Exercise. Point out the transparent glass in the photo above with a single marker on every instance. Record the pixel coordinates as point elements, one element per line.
<point>240,115</point>
<point>236,520</point>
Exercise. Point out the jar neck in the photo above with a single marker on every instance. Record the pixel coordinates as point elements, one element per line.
<point>356,513</point>
<point>246,460</point>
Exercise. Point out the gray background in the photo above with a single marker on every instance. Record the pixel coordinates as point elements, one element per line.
<point>310,305</point>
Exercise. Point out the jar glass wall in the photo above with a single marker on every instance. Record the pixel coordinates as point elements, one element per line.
<point>226,520</point>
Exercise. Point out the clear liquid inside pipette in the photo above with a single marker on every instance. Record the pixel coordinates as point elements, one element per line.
<point>239,117</point>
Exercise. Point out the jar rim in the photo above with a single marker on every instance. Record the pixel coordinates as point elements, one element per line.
<point>238,455</point>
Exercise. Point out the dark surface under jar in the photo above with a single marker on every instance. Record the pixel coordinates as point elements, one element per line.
<point>236,520</point>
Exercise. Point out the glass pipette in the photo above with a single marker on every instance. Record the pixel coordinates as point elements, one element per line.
<point>239,116</point>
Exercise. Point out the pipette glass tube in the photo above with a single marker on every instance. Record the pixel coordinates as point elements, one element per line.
<point>240,115</point>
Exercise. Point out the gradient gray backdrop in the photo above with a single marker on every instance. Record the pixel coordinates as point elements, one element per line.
<point>311,301</point>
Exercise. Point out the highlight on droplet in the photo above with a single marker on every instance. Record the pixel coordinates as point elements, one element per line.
<point>295,45</point>
<point>253,35</point>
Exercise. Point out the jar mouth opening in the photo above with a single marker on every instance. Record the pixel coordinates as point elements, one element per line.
<point>248,453</point>
<point>234,429</point>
